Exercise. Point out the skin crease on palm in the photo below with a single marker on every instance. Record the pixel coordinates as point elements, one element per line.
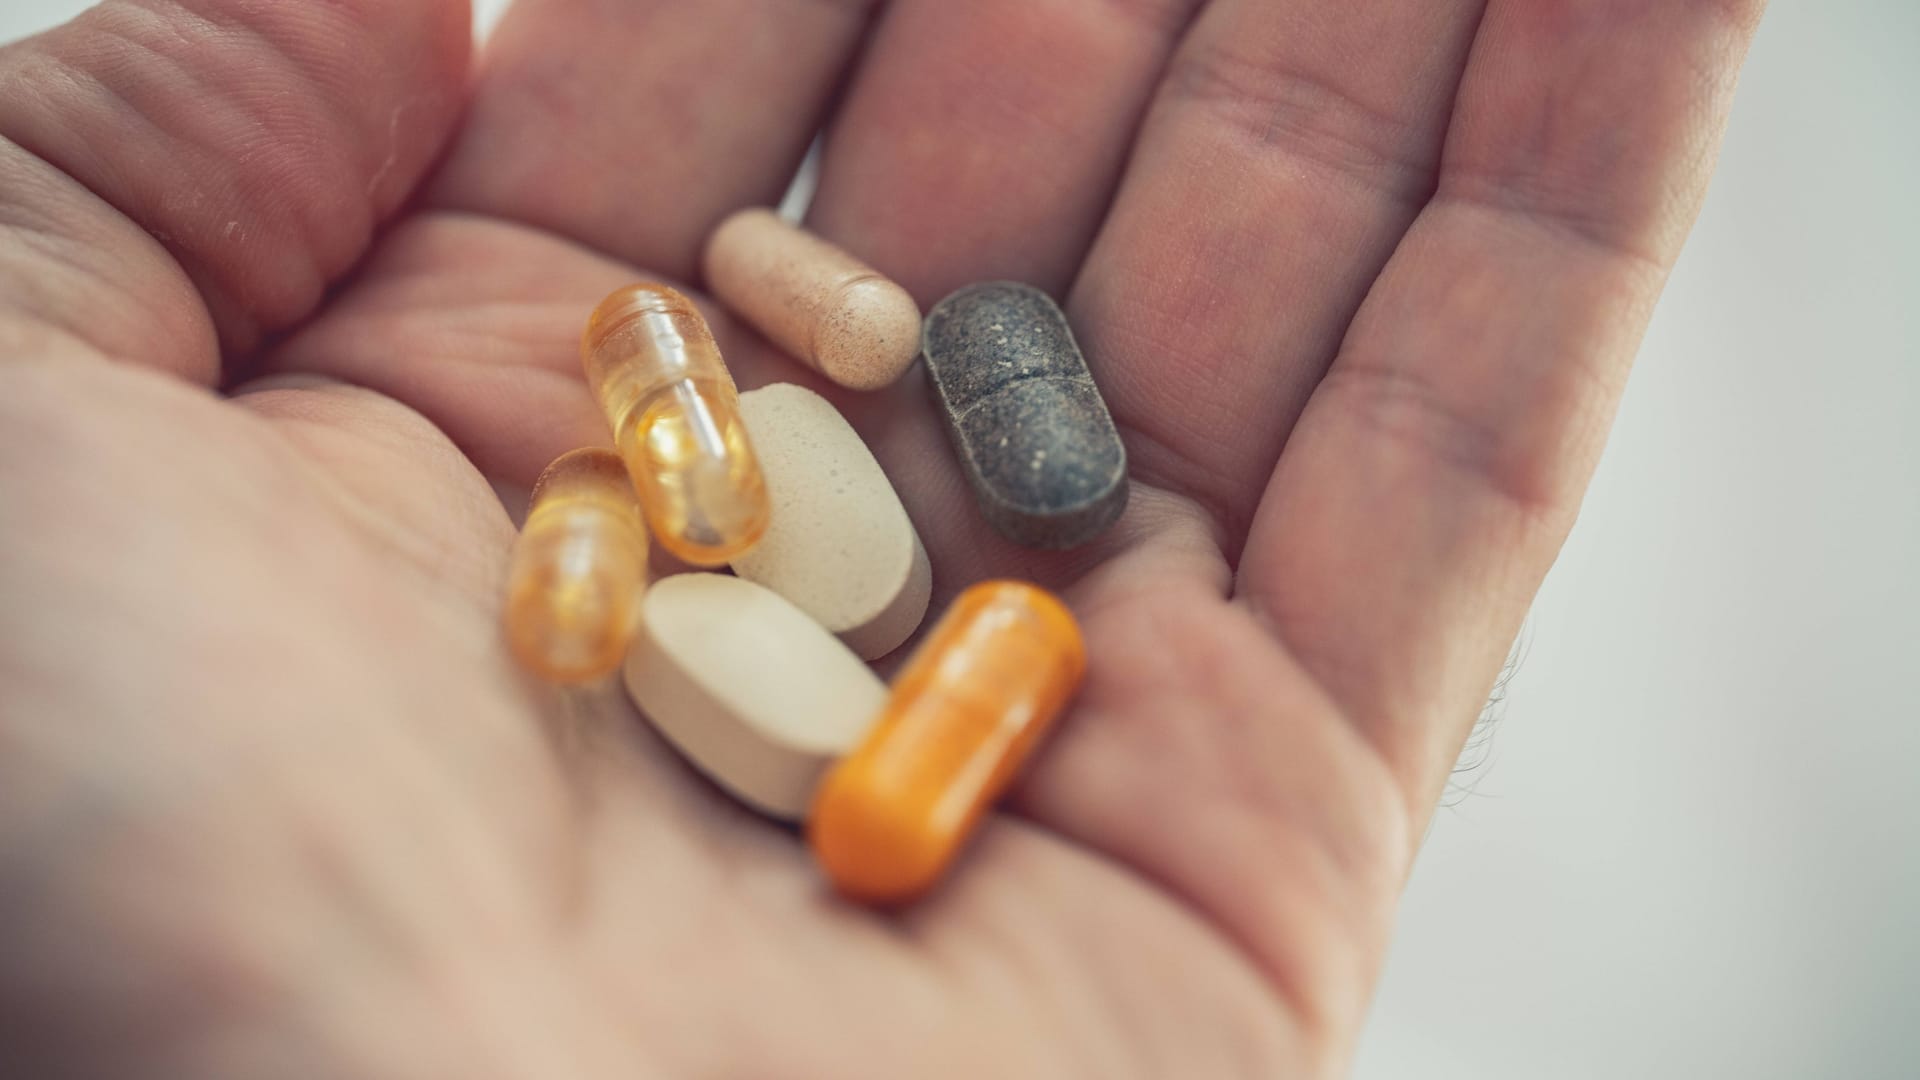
<point>289,291</point>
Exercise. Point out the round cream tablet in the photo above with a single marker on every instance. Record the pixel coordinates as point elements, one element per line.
<point>838,543</point>
<point>748,688</point>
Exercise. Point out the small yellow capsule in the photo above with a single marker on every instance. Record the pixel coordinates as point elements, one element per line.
<point>578,570</point>
<point>658,376</point>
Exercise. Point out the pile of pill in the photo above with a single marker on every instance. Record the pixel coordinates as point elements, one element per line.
<point>759,677</point>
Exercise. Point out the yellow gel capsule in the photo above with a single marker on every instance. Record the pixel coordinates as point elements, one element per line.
<point>658,376</point>
<point>963,715</point>
<point>578,570</point>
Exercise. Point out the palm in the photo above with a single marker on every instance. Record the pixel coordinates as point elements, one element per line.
<point>300,691</point>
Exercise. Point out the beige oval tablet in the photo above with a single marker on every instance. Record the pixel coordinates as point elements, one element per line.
<point>748,688</point>
<point>826,308</point>
<point>838,543</point>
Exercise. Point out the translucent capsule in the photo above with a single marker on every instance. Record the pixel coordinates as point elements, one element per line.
<point>962,716</point>
<point>578,570</point>
<point>652,364</point>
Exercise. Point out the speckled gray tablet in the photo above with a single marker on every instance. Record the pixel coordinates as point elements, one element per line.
<point>1032,432</point>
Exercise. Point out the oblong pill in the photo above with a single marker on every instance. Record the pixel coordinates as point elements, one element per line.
<point>838,545</point>
<point>826,308</point>
<point>1039,447</point>
<point>748,688</point>
<point>965,713</point>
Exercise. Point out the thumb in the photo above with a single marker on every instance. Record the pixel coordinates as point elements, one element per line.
<point>180,173</point>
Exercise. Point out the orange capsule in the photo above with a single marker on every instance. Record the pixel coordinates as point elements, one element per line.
<point>962,717</point>
<point>652,364</point>
<point>578,570</point>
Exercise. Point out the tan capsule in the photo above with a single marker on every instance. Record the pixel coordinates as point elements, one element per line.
<point>826,308</point>
<point>652,364</point>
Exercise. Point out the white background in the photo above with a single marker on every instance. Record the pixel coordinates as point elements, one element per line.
<point>1693,847</point>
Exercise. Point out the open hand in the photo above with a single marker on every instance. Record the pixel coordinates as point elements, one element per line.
<point>285,299</point>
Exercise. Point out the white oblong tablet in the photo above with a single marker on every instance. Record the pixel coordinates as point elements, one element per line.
<point>838,543</point>
<point>748,688</point>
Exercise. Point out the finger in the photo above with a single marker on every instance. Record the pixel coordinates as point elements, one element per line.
<point>1288,149</point>
<point>982,140</point>
<point>1437,469</point>
<point>633,127</point>
<point>259,144</point>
